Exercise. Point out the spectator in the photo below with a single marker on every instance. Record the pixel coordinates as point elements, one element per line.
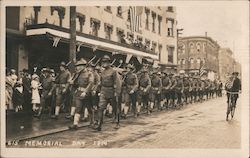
<point>18,98</point>
<point>35,98</point>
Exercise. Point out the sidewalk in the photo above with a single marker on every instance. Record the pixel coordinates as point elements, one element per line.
<point>23,126</point>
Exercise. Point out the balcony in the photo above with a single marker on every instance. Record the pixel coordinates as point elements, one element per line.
<point>90,40</point>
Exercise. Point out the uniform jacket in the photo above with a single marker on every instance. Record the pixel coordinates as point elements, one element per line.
<point>166,82</point>
<point>131,82</point>
<point>110,83</point>
<point>156,83</point>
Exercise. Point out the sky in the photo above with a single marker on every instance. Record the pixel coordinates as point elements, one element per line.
<point>226,22</point>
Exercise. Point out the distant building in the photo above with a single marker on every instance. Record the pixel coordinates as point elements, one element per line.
<point>39,36</point>
<point>196,53</point>
<point>227,63</point>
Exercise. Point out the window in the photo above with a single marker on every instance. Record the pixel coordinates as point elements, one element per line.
<point>108,30</point>
<point>36,10</point>
<point>198,60</point>
<point>191,46</point>
<point>153,24</point>
<point>191,60</point>
<point>170,50</point>
<point>170,27</point>
<point>81,18</point>
<point>108,9</point>
<point>147,44</point>
<point>160,48</point>
<point>95,26</point>
<point>119,11</point>
<point>198,47</point>
<point>60,11</point>
<point>183,61</point>
<point>147,11</point>
<point>129,15</point>
<point>159,24</point>
<point>120,35</point>
<point>170,9</point>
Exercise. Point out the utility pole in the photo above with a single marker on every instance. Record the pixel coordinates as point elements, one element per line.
<point>72,44</point>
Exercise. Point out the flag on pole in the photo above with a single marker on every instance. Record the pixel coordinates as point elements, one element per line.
<point>135,18</point>
<point>139,59</point>
<point>202,68</point>
<point>56,41</point>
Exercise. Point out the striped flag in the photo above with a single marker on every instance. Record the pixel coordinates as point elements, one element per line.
<point>56,41</point>
<point>202,68</point>
<point>135,18</point>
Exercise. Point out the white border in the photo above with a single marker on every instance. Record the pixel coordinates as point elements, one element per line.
<point>194,153</point>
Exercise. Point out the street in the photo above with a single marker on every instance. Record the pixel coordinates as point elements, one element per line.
<point>199,125</point>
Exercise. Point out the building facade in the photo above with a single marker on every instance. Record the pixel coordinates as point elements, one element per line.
<point>227,64</point>
<point>40,35</point>
<point>196,53</point>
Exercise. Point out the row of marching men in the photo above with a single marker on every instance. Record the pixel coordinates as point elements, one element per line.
<point>90,89</point>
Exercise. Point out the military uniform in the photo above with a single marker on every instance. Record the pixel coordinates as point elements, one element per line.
<point>207,87</point>
<point>131,85</point>
<point>186,84</point>
<point>143,90</point>
<point>195,89</point>
<point>82,96</point>
<point>155,91</point>
<point>61,87</point>
<point>179,88</point>
<point>172,90</point>
<point>110,90</point>
<point>166,83</point>
<point>47,84</point>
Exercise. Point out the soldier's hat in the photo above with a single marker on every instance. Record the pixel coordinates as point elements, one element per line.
<point>165,72</point>
<point>97,67</point>
<point>34,76</point>
<point>46,70</point>
<point>63,64</point>
<point>186,76</point>
<point>81,62</point>
<point>106,58</point>
<point>235,73</point>
<point>25,70</point>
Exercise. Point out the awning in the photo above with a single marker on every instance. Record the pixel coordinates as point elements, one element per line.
<point>45,29</point>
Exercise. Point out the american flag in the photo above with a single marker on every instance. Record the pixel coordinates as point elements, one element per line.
<point>135,18</point>
<point>202,68</point>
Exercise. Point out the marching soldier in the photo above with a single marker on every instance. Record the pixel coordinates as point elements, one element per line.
<point>179,89</point>
<point>110,90</point>
<point>186,84</point>
<point>190,89</point>
<point>143,90</point>
<point>166,83</point>
<point>155,91</point>
<point>201,89</point>
<point>124,108</point>
<point>172,90</point>
<point>82,96</point>
<point>61,86</point>
<point>207,86</point>
<point>131,85</point>
<point>195,89</point>
<point>47,84</point>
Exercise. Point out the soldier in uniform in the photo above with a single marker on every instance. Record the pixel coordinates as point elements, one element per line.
<point>172,90</point>
<point>47,84</point>
<point>82,96</point>
<point>155,91</point>
<point>179,89</point>
<point>110,90</point>
<point>201,89</point>
<point>131,86</point>
<point>61,86</point>
<point>166,83</point>
<point>212,88</point>
<point>186,84</point>
<point>195,89</point>
<point>143,90</point>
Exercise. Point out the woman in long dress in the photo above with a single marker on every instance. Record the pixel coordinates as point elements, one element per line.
<point>35,98</point>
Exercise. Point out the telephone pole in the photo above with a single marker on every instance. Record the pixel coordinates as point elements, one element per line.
<point>72,43</point>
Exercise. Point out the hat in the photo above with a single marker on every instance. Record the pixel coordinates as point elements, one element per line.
<point>63,64</point>
<point>165,72</point>
<point>235,73</point>
<point>46,70</point>
<point>34,76</point>
<point>25,70</point>
<point>144,70</point>
<point>106,58</point>
<point>81,62</point>
<point>186,76</point>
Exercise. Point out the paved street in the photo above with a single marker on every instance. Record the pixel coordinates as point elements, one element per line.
<point>194,126</point>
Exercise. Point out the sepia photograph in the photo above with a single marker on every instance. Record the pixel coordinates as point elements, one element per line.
<point>124,79</point>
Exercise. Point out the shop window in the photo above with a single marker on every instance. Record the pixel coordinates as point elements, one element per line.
<point>170,50</point>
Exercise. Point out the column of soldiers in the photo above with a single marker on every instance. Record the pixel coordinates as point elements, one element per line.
<point>92,88</point>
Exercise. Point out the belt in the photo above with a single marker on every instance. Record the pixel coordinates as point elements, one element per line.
<point>107,86</point>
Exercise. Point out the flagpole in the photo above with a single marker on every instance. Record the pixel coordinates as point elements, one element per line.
<point>206,51</point>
